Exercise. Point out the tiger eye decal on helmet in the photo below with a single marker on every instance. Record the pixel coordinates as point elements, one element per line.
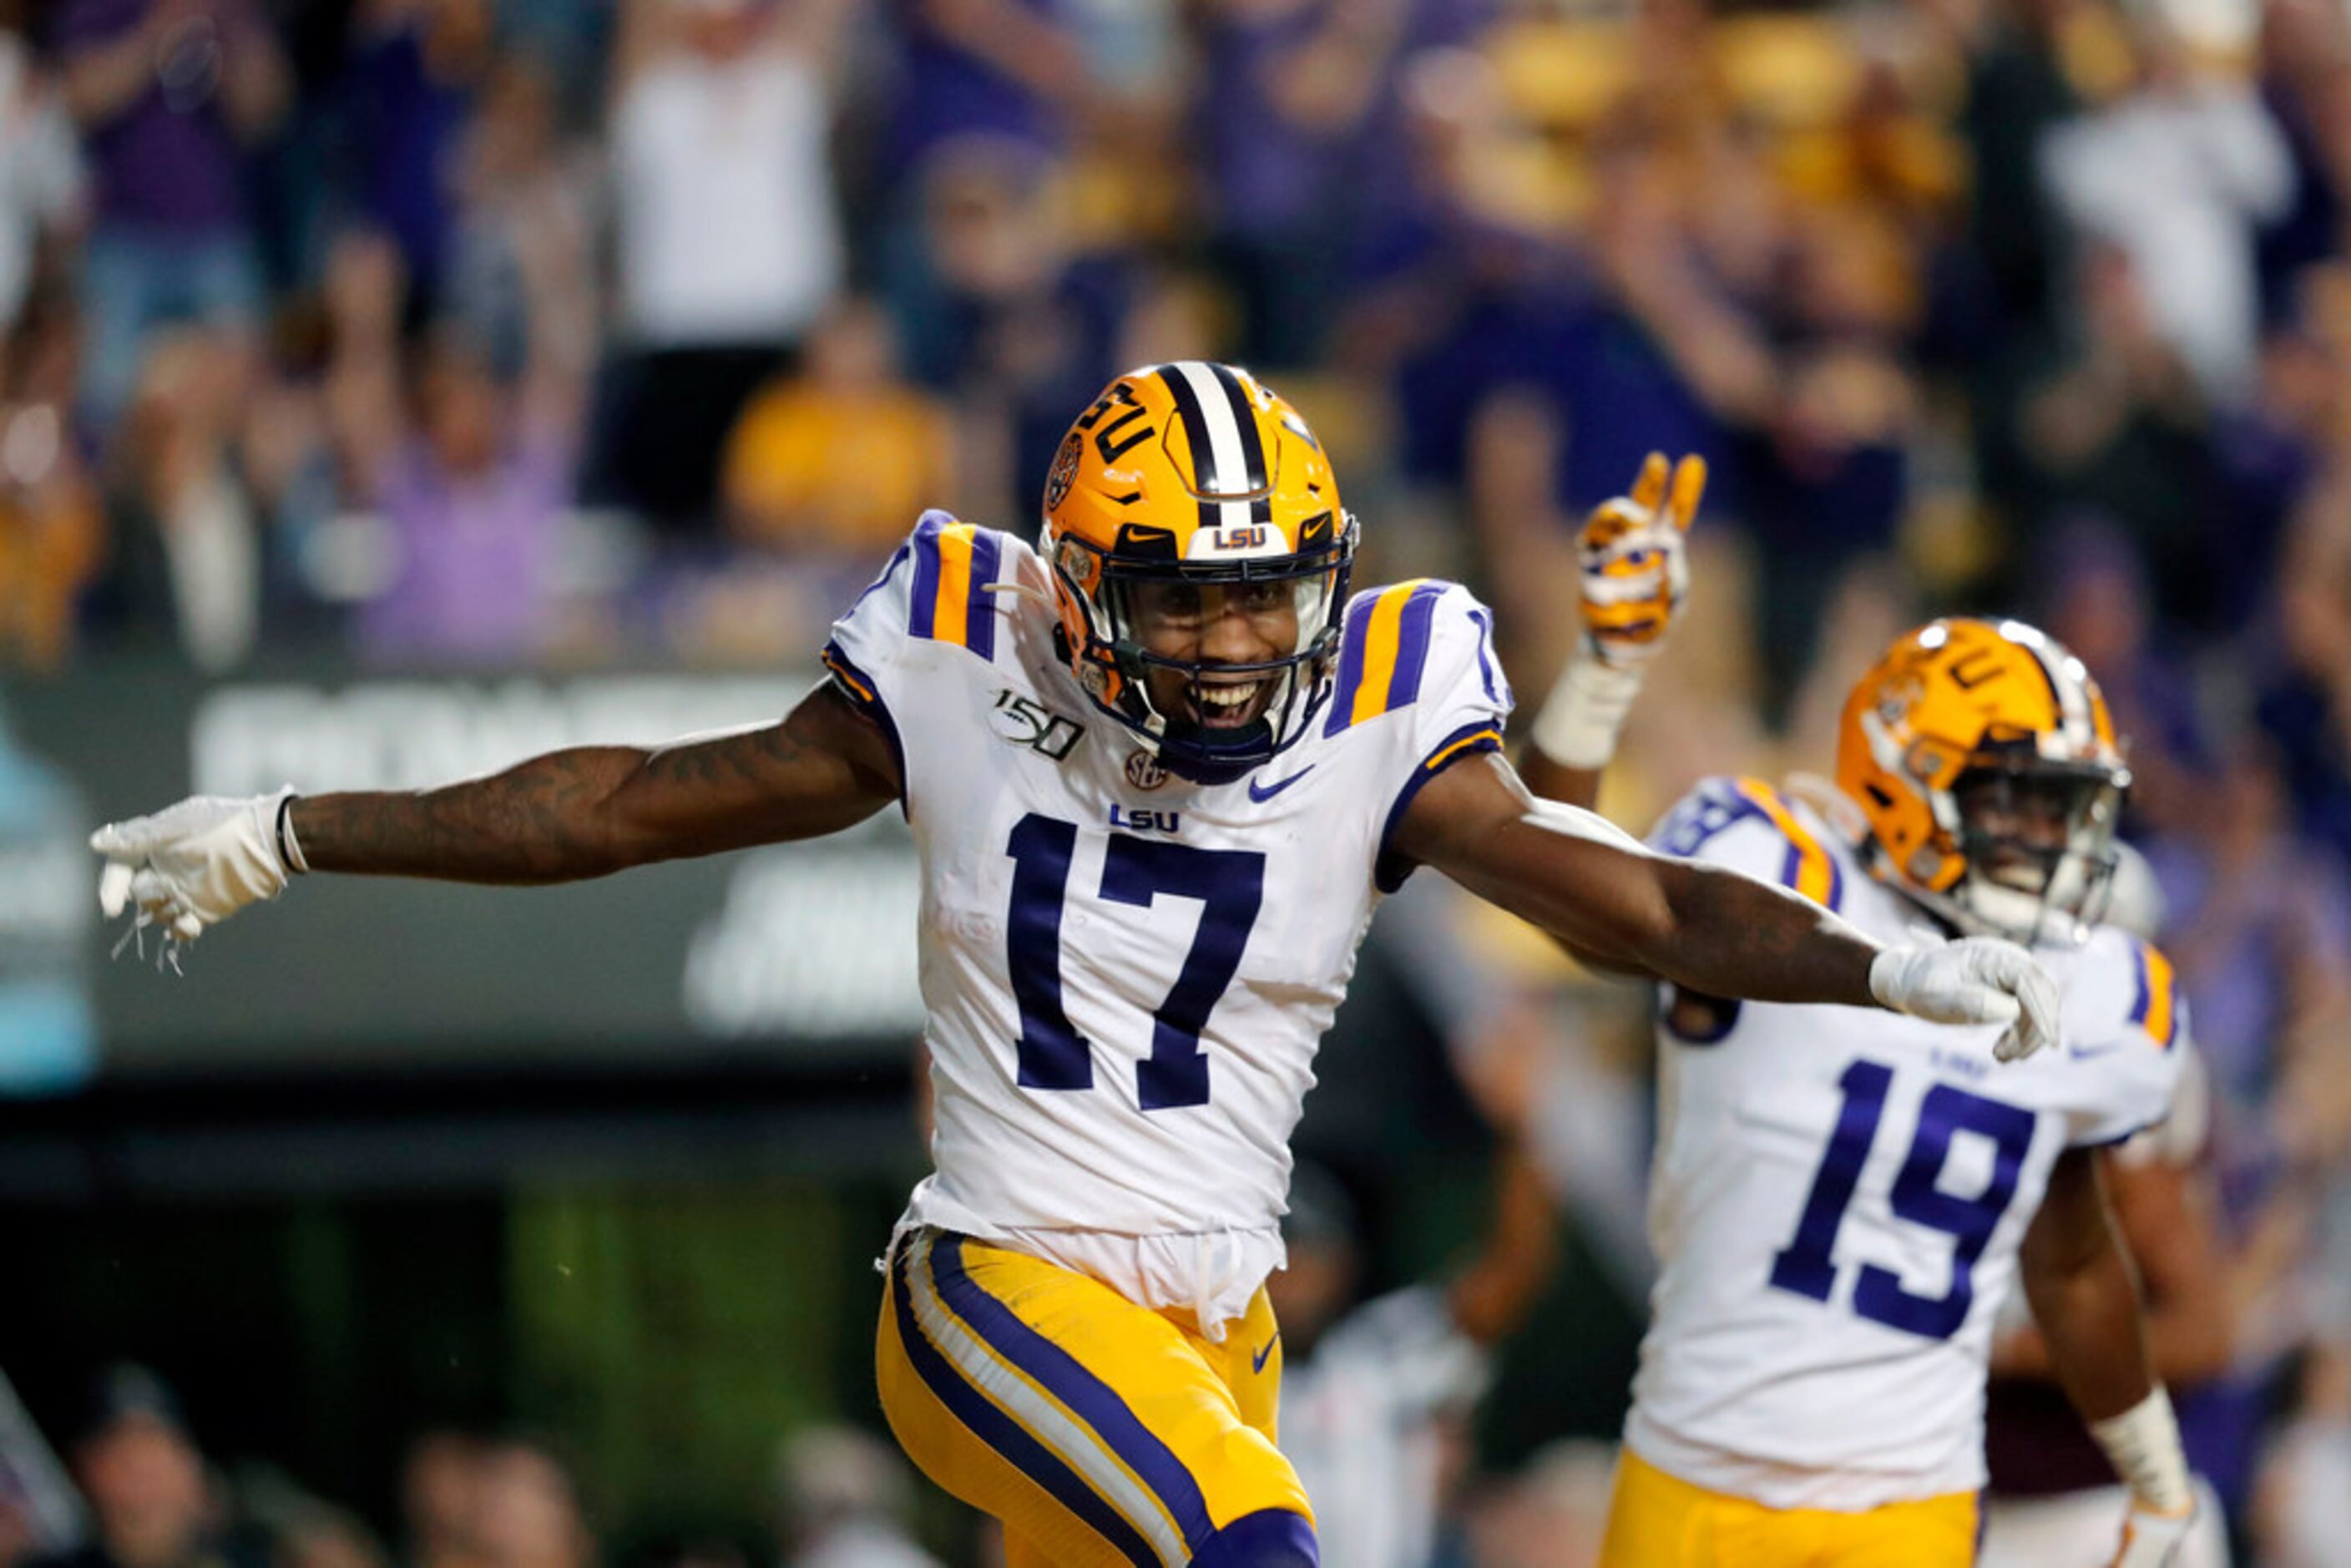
<point>1195,473</point>
<point>1984,758</point>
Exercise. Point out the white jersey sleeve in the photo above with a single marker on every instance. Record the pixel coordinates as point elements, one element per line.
<point>2126,1027</point>
<point>1747,825</point>
<point>2183,1138</point>
<point>937,600</point>
<point>1419,657</point>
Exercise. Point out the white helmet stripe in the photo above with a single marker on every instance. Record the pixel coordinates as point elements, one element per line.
<point>2073,721</point>
<point>1223,468</point>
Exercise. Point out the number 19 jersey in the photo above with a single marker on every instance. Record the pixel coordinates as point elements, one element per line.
<point>1839,1194</point>
<point>1126,974</point>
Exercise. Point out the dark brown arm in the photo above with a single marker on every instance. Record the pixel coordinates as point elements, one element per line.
<point>1490,1299</point>
<point>1558,781</point>
<point>1621,908</point>
<point>2084,1295</point>
<point>2166,1218</point>
<point>589,810</point>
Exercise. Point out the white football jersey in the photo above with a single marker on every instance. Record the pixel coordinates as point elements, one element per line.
<point>1126,974</point>
<point>1839,1193</point>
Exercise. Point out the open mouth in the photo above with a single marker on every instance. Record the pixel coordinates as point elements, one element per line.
<point>1228,705</point>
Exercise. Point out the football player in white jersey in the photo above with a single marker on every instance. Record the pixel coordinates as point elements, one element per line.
<point>1159,768</point>
<point>1840,1200</point>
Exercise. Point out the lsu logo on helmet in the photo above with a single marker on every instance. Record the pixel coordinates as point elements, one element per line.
<point>1194,479</point>
<point>1984,758</point>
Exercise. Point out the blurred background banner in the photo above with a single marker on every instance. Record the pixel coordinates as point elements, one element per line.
<point>792,949</point>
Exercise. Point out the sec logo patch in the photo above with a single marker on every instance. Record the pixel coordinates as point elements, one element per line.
<point>1143,772</point>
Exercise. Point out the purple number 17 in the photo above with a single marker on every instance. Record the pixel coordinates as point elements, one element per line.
<point>1230,885</point>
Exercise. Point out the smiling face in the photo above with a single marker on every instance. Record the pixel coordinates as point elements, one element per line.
<point>1213,625</point>
<point>2018,829</point>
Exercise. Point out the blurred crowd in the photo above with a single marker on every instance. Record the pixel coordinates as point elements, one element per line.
<point>149,1496</point>
<point>482,333</point>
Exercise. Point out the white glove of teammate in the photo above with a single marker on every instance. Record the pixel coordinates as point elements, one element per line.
<point>1977,979</point>
<point>1635,557</point>
<point>195,864</point>
<point>1634,561</point>
<point>2152,1540</point>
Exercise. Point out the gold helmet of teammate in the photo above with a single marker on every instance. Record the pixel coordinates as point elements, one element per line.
<point>1984,758</point>
<point>1186,493</point>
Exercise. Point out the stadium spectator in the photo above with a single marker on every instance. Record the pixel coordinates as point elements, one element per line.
<point>52,529</point>
<point>2177,175</point>
<point>527,204</point>
<point>152,1502</point>
<point>185,570</point>
<point>843,1498</point>
<point>828,464</point>
<point>727,228</point>
<point>407,94</point>
<point>470,462</point>
<point>1020,317</point>
<point>436,1498</point>
<point>996,68</point>
<point>525,1508</point>
<point>41,168</point>
<point>169,94</point>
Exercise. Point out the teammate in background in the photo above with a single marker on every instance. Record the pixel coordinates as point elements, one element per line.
<point>1160,769</point>
<point>1840,1201</point>
<point>2054,1496</point>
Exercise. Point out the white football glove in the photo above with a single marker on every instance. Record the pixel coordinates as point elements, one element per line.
<point>1635,557</point>
<point>2152,1540</point>
<point>1977,979</point>
<point>195,864</point>
<point>1633,561</point>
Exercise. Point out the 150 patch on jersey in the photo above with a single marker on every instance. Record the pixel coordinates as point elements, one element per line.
<point>1024,721</point>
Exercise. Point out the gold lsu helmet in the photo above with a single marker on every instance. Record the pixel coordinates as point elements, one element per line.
<point>1984,758</point>
<point>1196,473</point>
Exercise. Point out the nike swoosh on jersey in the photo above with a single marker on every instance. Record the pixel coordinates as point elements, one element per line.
<point>2086,1052</point>
<point>1271,790</point>
<point>1256,1358</point>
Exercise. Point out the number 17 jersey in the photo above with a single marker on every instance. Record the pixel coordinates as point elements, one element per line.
<point>1839,1194</point>
<point>1126,974</point>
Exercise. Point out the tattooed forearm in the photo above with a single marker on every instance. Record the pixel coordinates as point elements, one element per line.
<point>1734,936</point>
<point>594,809</point>
<point>546,819</point>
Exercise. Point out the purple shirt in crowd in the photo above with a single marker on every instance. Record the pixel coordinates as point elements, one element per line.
<point>476,557</point>
<point>169,160</point>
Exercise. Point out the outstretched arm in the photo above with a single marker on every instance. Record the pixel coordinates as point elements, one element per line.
<point>1625,910</point>
<point>570,814</point>
<point>1620,908</point>
<point>2085,1297</point>
<point>593,809</point>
